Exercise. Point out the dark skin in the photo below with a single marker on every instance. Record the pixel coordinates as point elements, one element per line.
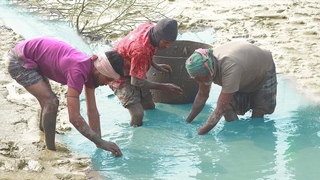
<point>49,108</point>
<point>137,110</point>
<point>163,44</point>
<point>200,100</point>
<point>222,105</point>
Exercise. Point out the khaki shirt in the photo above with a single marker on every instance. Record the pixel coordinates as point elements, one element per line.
<point>241,67</point>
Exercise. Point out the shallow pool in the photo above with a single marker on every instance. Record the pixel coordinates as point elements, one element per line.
<point>284,145</point>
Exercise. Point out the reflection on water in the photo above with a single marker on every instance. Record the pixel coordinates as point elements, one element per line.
<point>284,145</point>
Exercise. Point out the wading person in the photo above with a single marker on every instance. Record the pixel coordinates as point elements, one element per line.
<point>138,49</point>
<point>246,74</point>
<point>33,62</point>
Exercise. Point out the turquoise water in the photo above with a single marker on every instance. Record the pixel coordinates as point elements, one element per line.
<point>284,145</point>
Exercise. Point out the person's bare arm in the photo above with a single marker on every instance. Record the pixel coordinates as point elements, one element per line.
<point>215,116</point>
<point>92,111</point>
<point>167,87</point>
<point>80,124</point>
<point>199,102</point>
<point>162,67</point>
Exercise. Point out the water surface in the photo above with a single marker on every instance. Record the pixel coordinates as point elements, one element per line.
<point>284,145</point>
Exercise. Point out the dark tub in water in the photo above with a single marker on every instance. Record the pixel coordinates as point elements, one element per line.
<point>175,56</point>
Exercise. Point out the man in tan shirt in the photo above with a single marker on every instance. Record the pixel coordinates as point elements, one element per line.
<point>246,74</point>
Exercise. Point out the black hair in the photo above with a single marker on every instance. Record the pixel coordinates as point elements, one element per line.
<point>116,61</point>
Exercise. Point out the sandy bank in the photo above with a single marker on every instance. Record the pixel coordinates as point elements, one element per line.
<point>290,29</point>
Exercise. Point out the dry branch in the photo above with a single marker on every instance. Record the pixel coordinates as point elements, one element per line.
<point>98,18</point>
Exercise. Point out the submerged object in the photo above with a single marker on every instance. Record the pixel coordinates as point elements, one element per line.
<point>175,56</point>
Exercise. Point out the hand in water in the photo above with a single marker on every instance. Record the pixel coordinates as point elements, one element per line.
<point>110,146</point>
<point>206,127</point>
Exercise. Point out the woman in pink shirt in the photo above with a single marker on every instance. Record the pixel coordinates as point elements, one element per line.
<point>32,62</point>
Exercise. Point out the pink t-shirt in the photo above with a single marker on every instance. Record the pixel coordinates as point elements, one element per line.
<point>137,51</point>
<point>57,61</point>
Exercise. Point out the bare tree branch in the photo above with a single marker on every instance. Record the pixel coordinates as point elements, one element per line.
<point>99,18</point>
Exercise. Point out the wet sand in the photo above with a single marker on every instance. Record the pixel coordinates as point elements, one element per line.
<point>290,29</point>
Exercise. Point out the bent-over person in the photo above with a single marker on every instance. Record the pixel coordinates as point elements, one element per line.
<point>33,62</point>
<point>247,75</point>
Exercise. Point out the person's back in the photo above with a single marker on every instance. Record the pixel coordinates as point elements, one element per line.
<point>56,60</point>
<point>137,51</point>
<point>241,66</point>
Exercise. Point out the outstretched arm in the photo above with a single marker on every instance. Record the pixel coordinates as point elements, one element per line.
<point>223,101</point>
<point>167,87</point>
<point>92,110</point>
<point>162,67</point>
<point>199,102</point>
<point>80,124</point>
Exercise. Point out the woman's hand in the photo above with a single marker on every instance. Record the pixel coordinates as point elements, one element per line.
<point>164,68</point>
<point>109,146</point>
<point>173,89</point>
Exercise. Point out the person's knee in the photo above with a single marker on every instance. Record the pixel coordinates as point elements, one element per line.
<point>137,114</point>
<point>259,112</point>
<point>148,105</point>
<point>51,105</point>
<point>136,118</point>
<point>230,114</point>
<point>256,114</point>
